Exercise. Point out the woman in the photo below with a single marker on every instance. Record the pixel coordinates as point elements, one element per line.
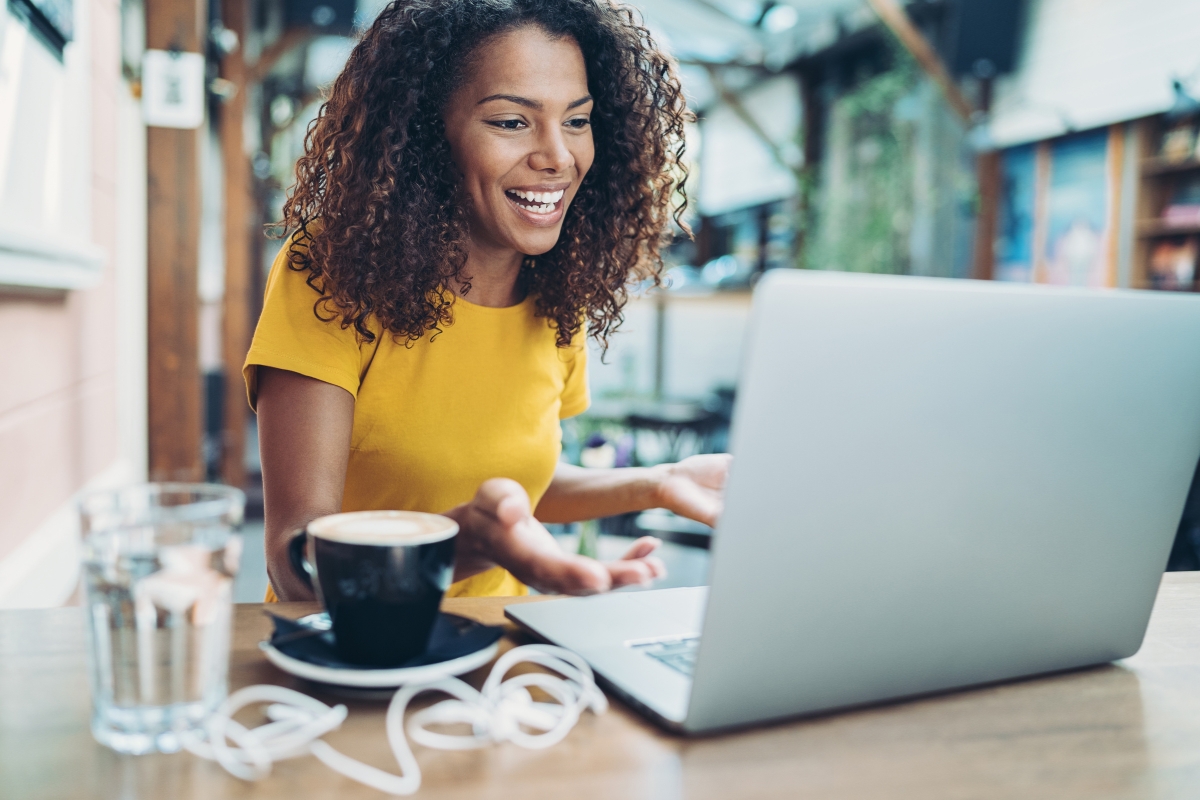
<point>485,179</point>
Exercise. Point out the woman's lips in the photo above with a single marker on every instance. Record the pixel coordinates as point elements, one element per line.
<point>534,218</point>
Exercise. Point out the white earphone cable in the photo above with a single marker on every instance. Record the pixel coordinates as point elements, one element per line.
<point>503,710</point>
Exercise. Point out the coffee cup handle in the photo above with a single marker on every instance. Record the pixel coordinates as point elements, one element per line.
<point>300,565</point>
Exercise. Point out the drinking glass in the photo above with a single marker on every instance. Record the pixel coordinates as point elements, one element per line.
<point>158,564</point>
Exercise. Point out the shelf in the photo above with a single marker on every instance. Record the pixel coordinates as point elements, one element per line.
<point>1157,228</point>
<point>1162,166</point>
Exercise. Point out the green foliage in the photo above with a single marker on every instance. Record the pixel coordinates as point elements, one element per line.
<point>863,208</point>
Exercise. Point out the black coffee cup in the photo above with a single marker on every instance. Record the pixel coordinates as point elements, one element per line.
<point>381,576</point>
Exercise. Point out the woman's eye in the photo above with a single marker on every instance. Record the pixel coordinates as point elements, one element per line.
<point>506,124</point>
<point>578,122</point>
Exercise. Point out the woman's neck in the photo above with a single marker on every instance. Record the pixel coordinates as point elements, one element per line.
<point>494,276</point>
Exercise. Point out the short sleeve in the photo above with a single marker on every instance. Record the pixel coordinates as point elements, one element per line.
<point>290,336</point>
<point>575,396</point>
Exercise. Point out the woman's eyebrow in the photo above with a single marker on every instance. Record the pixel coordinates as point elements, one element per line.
<point>512,98</point>
<point>534,104</point>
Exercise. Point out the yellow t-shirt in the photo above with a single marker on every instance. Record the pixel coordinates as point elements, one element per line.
<point>432,420</point>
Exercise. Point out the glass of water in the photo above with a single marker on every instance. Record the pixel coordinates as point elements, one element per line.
<point>158,563</point>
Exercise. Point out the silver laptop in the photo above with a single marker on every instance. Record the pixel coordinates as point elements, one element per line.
<point>936,484</point>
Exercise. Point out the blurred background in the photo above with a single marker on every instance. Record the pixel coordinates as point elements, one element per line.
<point>145,144</point>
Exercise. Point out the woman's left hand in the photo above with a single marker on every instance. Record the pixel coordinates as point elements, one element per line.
<point>695,487</point>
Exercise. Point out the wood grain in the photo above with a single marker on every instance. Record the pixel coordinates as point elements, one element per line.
<point>989,174</point>
<point>898,22</point>
<point>1130,730</point>
<point>1114,171</point>
<point>173,262</point>
<point>241,242</point>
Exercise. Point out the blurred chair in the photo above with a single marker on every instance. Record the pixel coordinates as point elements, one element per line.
<point>682,429</point>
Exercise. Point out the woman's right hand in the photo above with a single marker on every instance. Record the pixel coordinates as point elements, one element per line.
<point>497,528</point>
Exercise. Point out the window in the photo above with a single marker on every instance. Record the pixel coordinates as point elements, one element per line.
<point>52,21</point>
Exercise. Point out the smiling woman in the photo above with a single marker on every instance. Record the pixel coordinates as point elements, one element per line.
<point>389,159</point>
<point>523,151</point>
<point>486,180</point>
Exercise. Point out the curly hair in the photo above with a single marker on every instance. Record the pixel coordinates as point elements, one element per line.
<point>376,212</point>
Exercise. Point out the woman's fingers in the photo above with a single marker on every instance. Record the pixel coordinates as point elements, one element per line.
<point>521,544</point>
<point>642,548</point>
<point>486,526</point>
<point>635,573</point>
<point>689,499</point>
<point>567,573</point>
<point>637,566</point>
<point>503,499</point>
<point>574,574</point>
<point>498,527</point>
<point>710,470</point>
<point>694,487</point>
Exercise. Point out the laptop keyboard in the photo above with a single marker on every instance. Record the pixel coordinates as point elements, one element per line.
<point>679,653</point>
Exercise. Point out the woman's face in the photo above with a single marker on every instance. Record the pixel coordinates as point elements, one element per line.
<point>520,134</point>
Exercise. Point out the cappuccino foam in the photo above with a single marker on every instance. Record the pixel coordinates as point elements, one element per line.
<point>383,528</point>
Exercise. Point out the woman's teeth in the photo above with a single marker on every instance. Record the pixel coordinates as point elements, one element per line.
<point>536,202</point>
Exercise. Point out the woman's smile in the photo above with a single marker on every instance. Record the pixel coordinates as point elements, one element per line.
<point>540,206</point>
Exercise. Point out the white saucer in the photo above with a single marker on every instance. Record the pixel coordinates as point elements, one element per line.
<point>388,678</point>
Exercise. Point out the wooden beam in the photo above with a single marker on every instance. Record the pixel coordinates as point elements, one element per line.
<point>173,259</point>
<point>1149,198</point>
<point>269,57</point>
<point>988,172</point>
<point>1115,176</point>
<point>1041,210</point>
<point>240,240</point>
<point>898,22</point>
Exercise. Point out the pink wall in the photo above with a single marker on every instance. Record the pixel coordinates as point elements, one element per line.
<point>58,391</point>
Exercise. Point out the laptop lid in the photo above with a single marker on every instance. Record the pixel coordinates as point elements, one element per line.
<point>940,483</point>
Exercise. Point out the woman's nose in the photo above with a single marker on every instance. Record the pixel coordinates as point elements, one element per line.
<point>551,153</point>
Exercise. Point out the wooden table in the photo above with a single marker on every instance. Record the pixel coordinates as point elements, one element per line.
<point>1130,730</point>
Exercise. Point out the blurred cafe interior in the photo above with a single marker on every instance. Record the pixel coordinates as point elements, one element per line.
<point>1007,141</point>
<point>146,148</point>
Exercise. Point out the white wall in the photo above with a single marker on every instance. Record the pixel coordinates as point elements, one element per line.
<point>73,395</point>
<point>1087,63</point>
<point>628,367</point>
<point>703,347</point>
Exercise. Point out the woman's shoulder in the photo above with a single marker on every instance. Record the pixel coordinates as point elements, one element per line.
<point>290,274</point>
<point>295,285</point>
<point>297,310</point>
<point>299,331</point>
<point>292,258</point>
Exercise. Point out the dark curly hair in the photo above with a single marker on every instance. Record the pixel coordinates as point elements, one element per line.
<point>376,215</point>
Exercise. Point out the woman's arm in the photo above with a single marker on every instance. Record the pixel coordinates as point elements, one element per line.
<point>304,430</point>
<point>578,493</point>
<point>692,488</point>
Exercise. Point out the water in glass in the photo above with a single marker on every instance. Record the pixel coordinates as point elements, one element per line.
<point>159,562</point>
